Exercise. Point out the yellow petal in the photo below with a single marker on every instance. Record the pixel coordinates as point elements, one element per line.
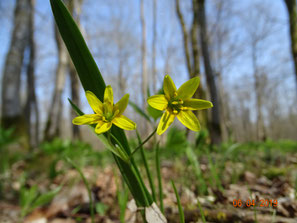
<point>188,89</point>
<point>122,104</point>
<point>196,104</point>
<point>166,120</point>
<point>169,87</point>
<point>86,119</point>
<point>94,102</point>
<point>188,119</point>
<point>108,95</point>
<point>124,123</point>
<point>158,102</point>
<point>103,127</point>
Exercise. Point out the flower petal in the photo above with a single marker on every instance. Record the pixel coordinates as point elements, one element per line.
<point>122,104</point>
<point>158,102</point>
<point>108,95</point>
<point>86,119</point>
<point>188,119</point>
<point>188,89</point>
<point>103,127</point>
<point>124,123</point>
<point>166,120</point>
<point>168,87</point>
<point>94,102</point>
<point>196,104</point>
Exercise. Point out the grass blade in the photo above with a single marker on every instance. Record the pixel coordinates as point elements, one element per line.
<point>180,208</point>
<point>148,172</point>
<point>158,167</point>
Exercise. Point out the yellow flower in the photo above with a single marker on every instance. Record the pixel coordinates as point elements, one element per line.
<point>178,103</point>
<point>106,113</point>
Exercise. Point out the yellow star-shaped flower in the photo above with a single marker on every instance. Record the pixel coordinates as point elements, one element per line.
<point>178,103</point>
<point>106,113</point>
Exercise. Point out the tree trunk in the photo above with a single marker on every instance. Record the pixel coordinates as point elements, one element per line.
<point>185,36</point>
<point>200,93</point>
<point>260,131</point>
<point>154,73</point>
<point>31,108</point>
<point>11,103</point>
<point>52,128</point>
<point>143,55</point>
<point>122,81</point>
<point>292,11</point>
<point>214,124</point>
<point>75,9</point>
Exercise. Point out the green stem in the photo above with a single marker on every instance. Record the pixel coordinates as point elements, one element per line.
<point>148,172</point>
<point>180,208</point>
<point>145,141</point>
<point>201,211</point>
<point>159,179</point>
<point>87,186</point>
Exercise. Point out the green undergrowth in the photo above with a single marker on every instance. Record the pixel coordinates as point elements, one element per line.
<point>208,167</point>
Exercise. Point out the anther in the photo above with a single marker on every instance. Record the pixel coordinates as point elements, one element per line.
<point>175,111</point>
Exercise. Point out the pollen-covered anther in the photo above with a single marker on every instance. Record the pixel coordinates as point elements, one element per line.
<point>175,102</point>
<point>180,101</point>
<point>175,112</point>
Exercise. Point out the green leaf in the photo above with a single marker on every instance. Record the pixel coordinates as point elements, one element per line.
<point>45,198</point>
<point>92,80</point>
<point>139,111</point>
<point>101,208</point>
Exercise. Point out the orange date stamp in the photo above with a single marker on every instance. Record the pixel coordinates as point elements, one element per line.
<point>253,203</point>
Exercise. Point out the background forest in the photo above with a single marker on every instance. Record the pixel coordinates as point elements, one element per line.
<point>245,53</point>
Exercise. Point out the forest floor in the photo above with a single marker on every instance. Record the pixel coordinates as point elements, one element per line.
<point>252,182</point>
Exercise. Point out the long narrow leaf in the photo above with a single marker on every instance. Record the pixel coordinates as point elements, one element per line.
<point>92,80</point>
<point>180,208</point>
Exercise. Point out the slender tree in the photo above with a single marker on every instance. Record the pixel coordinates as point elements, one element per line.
<point>31,108</point>
<point>214,124</point>
<point>64,66</point>
<point>154,72</point>
<point>52,128</point>
<point>12,115</point>
<point>292,11</point>
<point>143,55</point>
<point>75,8</point>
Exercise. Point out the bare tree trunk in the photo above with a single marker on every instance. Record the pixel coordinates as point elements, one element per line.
<point>143,55</point>
<point>154,73</point>
<point>200,93</point>
<point>185,36</point>
<point>75,86</point>
<point>214,125</point>
<point>260,134</point>
<point>292,11</point>
<point>122,81</point>
<point>31,108</point>
<point>52,128</point>
<point>75,9</point>
<point>11,103</point>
